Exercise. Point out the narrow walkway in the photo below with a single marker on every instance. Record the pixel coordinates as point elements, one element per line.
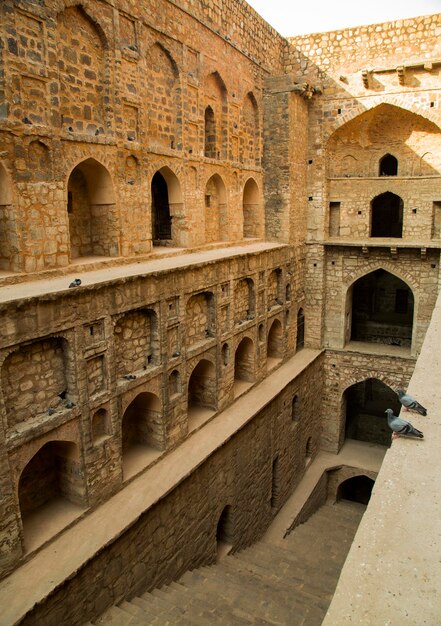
<point>286,583</point>
<point>37,286</point>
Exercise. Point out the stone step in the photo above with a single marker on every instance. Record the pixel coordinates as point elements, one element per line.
<point>286,583</point>
<point>114,617</point>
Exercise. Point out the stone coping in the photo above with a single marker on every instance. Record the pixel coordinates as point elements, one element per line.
<point>392,574</point>
<point>36,579</point>
<point>42,287</point>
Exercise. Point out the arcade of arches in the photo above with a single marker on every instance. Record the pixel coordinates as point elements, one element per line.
<point>255,226</point>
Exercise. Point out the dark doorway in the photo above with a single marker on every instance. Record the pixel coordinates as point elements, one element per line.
<point>210,134</point>
<point>388,166</point>
<point>356,489</point>
<point>224,532</point>
<point>382,310</point>
<point>160,210</point>
<point>366,403</point>
<point>387,216</point>
<point>300,341</point>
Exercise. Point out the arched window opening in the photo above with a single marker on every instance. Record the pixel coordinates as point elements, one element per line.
<point>142,433</point>
<point>51,487</point>
<point>356,489</point>
<point>365,404</point>
<point>252,218</point>
<point>202,394</point>
<point>300,339</point>
<point>275,343</point>
<point>225,354</point>
<point>388,166</point>
<point>387,216</point>
<point>100,426</point>
<point>161,218</point>
<point>275,483</point>
<point>225,533</point>
<point>216,218</point>
<point>275,291</point>
<point>243,366</point>
<point>210,149</point>
<point>382,310</point>
<point>92,211</point>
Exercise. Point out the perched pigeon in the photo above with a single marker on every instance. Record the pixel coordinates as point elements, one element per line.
<point>75,283</point>
<point>410,403</point>
<point>401,427</point>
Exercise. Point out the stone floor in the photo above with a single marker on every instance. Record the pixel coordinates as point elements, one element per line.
<point>286,582</point>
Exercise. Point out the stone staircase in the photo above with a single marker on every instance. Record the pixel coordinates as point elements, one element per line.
<point>288,583</point>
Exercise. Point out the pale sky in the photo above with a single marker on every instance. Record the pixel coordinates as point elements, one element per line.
<point>296,17</point>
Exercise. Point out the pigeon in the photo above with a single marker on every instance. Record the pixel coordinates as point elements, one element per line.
<point>410,403</point>
<point>401,427</point>
<point>75,283</point>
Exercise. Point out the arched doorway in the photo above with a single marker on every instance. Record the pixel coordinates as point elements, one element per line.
<point>142,433</point>
<point>225,533</point>
<point>201,394</point>
<point>93,222</point>
<point>167,208</point>
<point>356,489</point>
<point>243,366</point>
<point>251,210</point>
<point>51,492</point>
<point>364,405</point>
<point>387,216</point>
<point>382,310</point>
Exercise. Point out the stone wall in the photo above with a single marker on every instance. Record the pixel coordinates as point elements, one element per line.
<point>110,366</point>
<point>154,552</point>
<point>99,98</point>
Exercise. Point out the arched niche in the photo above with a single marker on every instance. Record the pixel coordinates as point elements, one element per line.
<point>200,317</point>
<point>275,343</point>
<point>215,116</point>
<point>380,309</point>
<point>249,138</point>
<point>163,85</point>
<point>252,218</point>
<point>91,208</point>
<point>136,341</point>
<point>244,366</point>
<point>210,144</point>
<point>101,427</point>
<point>202,394</point>
<point>51,487</point>
<point>142,433</point>
<point>387,216</point>
<point>363,411</point>
<point>216,216</point>
<point>36,380</point>
<point>244,300</point>
<point>81,46</point>
<point>225,532</point>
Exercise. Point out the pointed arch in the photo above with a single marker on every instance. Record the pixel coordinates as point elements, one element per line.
<point>216,100</point>
<point>81,45</point>
<point>252,210</point>
<point>91,209</point>
<point>387,216</point>
<point>249,153</point>
<point>216,216</point>
<point>388,165</point>
<point>164,101</point>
